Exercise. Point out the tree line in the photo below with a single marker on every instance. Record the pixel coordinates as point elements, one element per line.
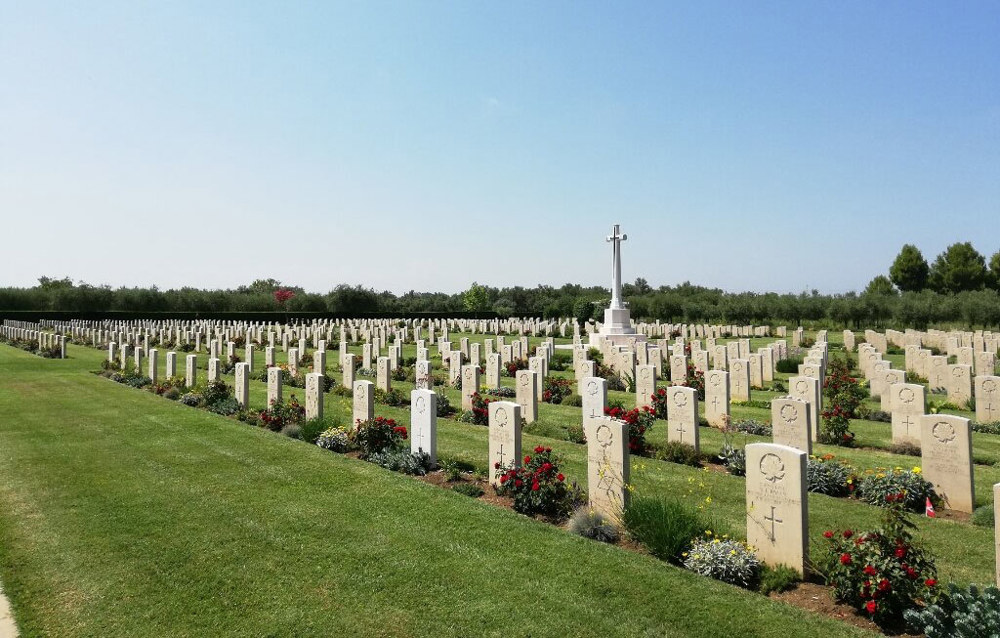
<point>958,288</point>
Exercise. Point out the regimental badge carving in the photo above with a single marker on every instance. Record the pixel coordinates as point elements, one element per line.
<point>680,399</point>
<point>605,437</point>
<point>592,388</point>
<point>421,405</point>
<point>501,418</point>
<point>944,432</point>
<point>907,395</point>
<point>789,413</point>
<point>772,467</point>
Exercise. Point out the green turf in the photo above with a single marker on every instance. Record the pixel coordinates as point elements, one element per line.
<point>124,514</point>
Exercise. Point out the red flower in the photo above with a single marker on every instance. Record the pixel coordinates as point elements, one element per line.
<point>870,571</point>
<point>518,483</point>
<point>527,459</point>
<point>883,585</point>
<point>930,582</point>
<point>560,477</point>
<point>871,607</point>
<point>900,552</point>
<point>535,487</point>
<point>496,465</point>
<point>539,449</point>
<point>828,534</point>
<point>848,533</point>
<point>845,559</point>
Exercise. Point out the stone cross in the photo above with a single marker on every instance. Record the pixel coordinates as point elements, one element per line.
<point>616,239</point>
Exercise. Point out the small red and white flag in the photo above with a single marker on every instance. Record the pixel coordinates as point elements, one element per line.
<point>929,509</point>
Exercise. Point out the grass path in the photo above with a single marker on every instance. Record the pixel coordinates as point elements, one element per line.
<point>123,514</point>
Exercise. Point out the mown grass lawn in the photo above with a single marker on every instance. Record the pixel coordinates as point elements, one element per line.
<point>965,552</point>
<point>124,514</point>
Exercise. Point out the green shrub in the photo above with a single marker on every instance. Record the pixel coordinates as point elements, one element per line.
<point>589,523</point>
<point>827,475</point>
<point>881,573</point>
<point>983,516</point>
<point>680,453</point>
<point>444,406</point>
<point>575,434</point>
<point>469,489</point>
<point>573,400</point>
<point>226,406</point>
<point>172,393</point>
<point>394,397</point>
<point>875,485</point>
<point>377,435</point>
<point>664,527</point>
<point>752,426</point>
<point>777,579</point>
<point>417,464</point>
<point>312,428</point>
<point>734,458</point>
<point>724,559</point>
<point>335,439</point>
<point>789,365</point>
<point>905,448</point>
<point>537,487</point>
<point>292,431</point>
<point>452,470</point>
<point>959,613</point>
<point>986,428</point>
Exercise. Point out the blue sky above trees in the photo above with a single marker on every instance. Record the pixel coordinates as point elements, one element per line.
<point>411,145</point>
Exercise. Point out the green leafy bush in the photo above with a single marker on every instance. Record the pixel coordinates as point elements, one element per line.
<point>680,453</point>
<point>959,613</point>
<point>444,406</point>
<point>537,487</point>
<point>666,527</point>
<point>983,516</point>
<point>589,523</point>
<point>292,431</point>
<point>313,428</point>
<point>724,559</point>
<point>335,439</point>
<point>789,365</point>
<point>555,389</point>
<point>377,435</point>
<point>875,485</point>
<point>752,426</point>
<point>827,475</point>
<point>574,400</point>
<point>469,489</point>
<point>417,464</point>
<point>394,397</point>
<point>777,579</point>
<point>881,573</point>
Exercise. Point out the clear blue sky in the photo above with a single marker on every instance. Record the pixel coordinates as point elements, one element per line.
<point>424,145</point>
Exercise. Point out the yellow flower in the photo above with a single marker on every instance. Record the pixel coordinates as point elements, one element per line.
<point>708,532</point>
<point>684,554</point>
<point>916,470</point>
<point>708,499</point>
<point>732,552</point>
<point>880,475</point>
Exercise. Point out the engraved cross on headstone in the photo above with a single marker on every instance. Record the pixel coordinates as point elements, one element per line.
<point>907,422</point>
<point>772,519</point>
